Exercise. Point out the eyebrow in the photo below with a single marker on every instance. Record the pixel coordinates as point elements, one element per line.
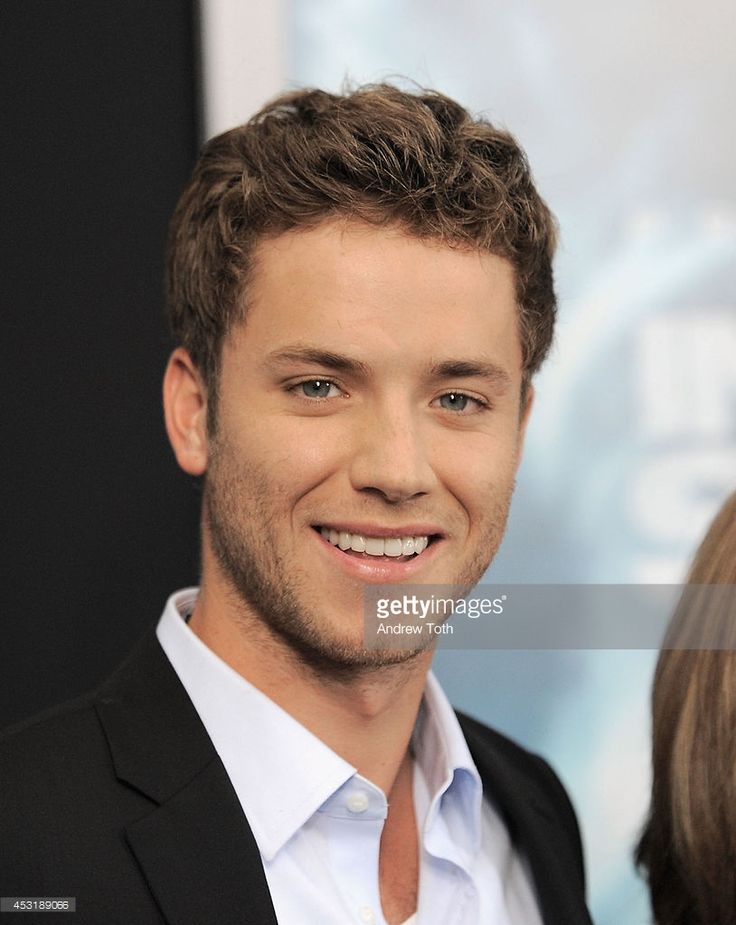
<point>471,369</point>
<point>336,361</point>
<point>445,369</point>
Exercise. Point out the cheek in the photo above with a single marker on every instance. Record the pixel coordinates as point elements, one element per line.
<point>292,455</point>
<point>479,467</point>
<point>319,457</point>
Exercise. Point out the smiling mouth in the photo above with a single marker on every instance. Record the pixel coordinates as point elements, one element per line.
<point>361,545</point>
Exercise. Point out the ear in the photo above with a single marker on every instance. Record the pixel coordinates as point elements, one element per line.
<point>185,410</point>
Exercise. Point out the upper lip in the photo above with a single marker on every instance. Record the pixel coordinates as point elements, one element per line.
<point>412,529</point>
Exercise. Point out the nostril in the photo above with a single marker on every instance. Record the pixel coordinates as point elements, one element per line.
<point>392,497</point>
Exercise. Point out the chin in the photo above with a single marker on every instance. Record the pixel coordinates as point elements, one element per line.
<point>344,658</point>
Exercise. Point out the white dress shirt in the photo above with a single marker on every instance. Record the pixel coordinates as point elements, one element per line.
<point>318,823</point>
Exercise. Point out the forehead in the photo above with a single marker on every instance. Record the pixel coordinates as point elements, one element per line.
<point>379,293</point>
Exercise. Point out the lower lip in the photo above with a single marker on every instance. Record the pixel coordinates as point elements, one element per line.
<point>380,569</point>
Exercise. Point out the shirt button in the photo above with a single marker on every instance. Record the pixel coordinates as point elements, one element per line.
<point>367,916</point>
<point>358,803</point>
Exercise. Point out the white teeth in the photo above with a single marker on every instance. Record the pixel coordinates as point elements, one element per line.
<point>392,546</point>
<point>374,546</point>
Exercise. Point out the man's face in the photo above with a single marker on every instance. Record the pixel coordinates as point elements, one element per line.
<point>369,429</point>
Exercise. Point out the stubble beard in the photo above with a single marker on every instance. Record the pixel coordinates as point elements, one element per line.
<point>240,527</point>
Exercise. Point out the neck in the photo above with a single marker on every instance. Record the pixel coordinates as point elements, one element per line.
<point>365,714</point>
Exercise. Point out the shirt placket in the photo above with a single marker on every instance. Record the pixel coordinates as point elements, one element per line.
<point>353,818</point>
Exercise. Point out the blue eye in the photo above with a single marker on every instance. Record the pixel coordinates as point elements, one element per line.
<point>455,401</point>
<point>316,388</point>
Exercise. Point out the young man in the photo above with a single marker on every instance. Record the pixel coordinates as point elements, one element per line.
<point>361,290</point>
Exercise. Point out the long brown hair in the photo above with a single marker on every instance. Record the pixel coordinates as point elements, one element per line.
<point>688,846</point>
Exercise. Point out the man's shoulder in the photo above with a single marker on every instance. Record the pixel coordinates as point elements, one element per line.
<point>70,728</point>
<point>514,777</point>
<point>52,763</point>
<point>509,753</point>
<point>46,738</point>
<point>63,808</point>
<point>61,756</point>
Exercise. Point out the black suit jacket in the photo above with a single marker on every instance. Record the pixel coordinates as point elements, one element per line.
<point>120,800</point>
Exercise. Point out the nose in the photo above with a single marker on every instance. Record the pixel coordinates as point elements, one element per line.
<point>391,456</point>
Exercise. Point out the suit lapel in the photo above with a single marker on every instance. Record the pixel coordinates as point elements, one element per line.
<point>195,848</point>
<point>534,826</point>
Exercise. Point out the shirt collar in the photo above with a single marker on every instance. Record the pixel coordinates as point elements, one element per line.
<point>453,786</point>
<point>282,773</point>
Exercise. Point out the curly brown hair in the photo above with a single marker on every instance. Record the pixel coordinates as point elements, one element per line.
<point>376,154</point>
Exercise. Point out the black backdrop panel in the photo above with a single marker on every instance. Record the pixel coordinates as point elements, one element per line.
<point>98,134</point>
